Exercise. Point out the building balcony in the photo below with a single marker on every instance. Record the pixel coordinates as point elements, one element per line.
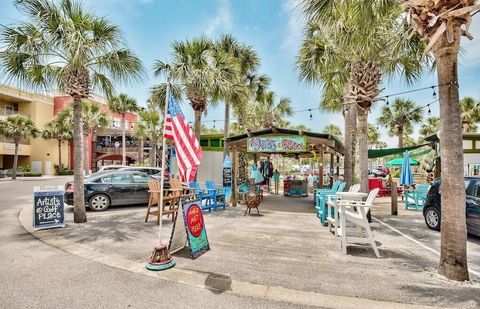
<point>9,149</point>
<point>116,147</point>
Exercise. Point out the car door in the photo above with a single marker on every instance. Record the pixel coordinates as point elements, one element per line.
<point>473,209</point>
<point>140,193</point>
<point>119,188</point>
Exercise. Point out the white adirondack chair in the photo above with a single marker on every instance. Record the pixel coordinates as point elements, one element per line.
<point>356,212</point>
<point>331,221</point>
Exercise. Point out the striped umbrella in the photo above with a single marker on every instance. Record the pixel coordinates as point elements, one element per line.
<point>406,175</point>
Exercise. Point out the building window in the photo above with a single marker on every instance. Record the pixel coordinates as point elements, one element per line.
<point>9,110</point>
<point>467,144</point>
<point>116,123</point>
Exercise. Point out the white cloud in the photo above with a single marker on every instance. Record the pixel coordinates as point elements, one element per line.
<point>295,24</point>
<point>222,19</point>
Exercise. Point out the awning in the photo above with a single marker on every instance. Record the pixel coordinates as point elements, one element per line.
<point>377,153</point>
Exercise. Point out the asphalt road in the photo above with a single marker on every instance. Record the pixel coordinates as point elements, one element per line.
<point>35,275</point>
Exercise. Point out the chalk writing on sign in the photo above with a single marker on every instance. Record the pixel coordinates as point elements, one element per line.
<point>277,144</point>
<point>49,209</point>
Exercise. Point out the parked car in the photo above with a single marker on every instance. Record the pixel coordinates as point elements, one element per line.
<point>111,189</point>
<point>379,171</point>
<point>110,168</point>
<point>432,209</point>
<point>155,172</point>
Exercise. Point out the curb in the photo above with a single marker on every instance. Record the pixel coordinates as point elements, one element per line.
<point>201,280</point>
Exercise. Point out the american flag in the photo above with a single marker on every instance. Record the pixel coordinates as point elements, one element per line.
<point>189,152</point>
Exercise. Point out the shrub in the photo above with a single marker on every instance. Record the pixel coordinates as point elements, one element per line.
<point>32,174</point>
<point>65,172</point>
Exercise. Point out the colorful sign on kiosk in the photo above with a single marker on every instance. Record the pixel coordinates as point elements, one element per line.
<point>48,208</point>
<point>277,144</point>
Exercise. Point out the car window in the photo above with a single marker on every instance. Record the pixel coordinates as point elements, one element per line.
<point>116,178</point>
<point>476,189</point>
<point>154,172</point>
<point>138,178</point>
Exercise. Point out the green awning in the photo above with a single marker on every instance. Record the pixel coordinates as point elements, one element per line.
<point>399,162</point>
<point>377,153</point>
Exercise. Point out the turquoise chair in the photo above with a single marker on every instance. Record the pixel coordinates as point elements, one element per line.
<point>322,199</point>
<point>416,199</point>
<point>215,194</point>
<point>320,191</point>
<point>204,195</point>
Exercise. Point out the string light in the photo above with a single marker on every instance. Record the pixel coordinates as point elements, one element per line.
<point>311,116</point>
<point>429,111</point>
<point>387,103</point>
<point>434,94</point>
<point>214,124</point>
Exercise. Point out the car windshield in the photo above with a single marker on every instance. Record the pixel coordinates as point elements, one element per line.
<point>114,178</point>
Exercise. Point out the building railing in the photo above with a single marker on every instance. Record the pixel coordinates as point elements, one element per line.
<point>3,139</point>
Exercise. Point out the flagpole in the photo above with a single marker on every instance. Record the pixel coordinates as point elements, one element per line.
<point>162,177</point>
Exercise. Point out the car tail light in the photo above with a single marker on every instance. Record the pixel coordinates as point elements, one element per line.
<point>69,188</point>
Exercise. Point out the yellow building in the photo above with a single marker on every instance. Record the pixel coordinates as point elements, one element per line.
<point>39,154</point>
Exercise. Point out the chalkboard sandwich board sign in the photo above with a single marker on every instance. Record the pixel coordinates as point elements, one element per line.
<point>195,228</point>
<point>48,208</point>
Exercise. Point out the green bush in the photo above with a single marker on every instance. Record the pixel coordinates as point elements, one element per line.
<point>65,172</point>
<point>32,174</point>
<point>26,169</point>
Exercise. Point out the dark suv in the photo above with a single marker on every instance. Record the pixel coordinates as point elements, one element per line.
<point>432,210</point>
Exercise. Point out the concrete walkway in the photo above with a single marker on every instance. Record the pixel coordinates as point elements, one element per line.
<point>283,254</point>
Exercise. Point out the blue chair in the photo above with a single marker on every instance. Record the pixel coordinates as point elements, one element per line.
<point>204,195</point>
<point>416,199</point>
<point>214,194</point>
<point>321,201</point>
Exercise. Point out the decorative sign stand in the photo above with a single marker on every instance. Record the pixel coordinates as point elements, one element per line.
<point>195,228</point>
<point>48,208</point>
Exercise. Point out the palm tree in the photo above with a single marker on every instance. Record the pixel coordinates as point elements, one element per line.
<point>302,127</point>
<point>441,24</point>
<point>373,136</point>
<point>17,127</point>
<point>470,114</point>
<point>201,71</point>
<point>122,104</point>
<point>371,48</point>
<point>334,130</point>
<point>400,117</point>
<point>61,131</point>
<point>272,111</point>
<point>150,120</point>
<point>65,47</point>
<point>140,132</point>
<point>430,127</point>
<point>241,88</point>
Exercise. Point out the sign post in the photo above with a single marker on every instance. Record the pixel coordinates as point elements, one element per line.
<point>48,208</point>
<point>227,180</point>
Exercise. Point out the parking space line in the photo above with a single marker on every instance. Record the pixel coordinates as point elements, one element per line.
<point>476,273</point>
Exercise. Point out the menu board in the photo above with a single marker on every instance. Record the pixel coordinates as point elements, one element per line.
<point>227,176</point>
<point>48,209</point>
<point>195,228</point>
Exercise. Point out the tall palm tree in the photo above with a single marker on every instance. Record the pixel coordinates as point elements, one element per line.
<point>61,131</point>
<point>430,126</point>
<point>334,130</point>
<point>63,46</point>
<point>371,48</point>
<point>93,118</point>
<point>242,86</point>
<point>441,24</point>
<point>17,127</point>
<point>202,73</point>
<point>373,136</point>
<point>150,120</point>
<point>400,117</point>
<point>140,132</point>
<point>271,111</point>
<point>123,104</point>
<point>470,114</point>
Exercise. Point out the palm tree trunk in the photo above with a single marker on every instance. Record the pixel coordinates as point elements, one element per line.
<point>69,144</point>
<point>59,155</point>
<point>15,162</point>
<point>86,164</point>
<point>453,257</point>
<point>79,215</point>
<point>400,137</point>
<point>198,124</point>
<point>363,149</point>
<point>225,128</point>
<point>140,151</point>
<point>354,136</point>
<point>347,161</point>
<point>124,147</point>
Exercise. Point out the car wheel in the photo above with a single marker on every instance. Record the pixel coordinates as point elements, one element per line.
<point>99,202</point>
<point>432,218</point>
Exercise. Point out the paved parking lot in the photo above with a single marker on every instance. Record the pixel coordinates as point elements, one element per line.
<point>286,247</point>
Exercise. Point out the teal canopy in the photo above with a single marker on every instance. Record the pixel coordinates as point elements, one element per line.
<point>399,161</point>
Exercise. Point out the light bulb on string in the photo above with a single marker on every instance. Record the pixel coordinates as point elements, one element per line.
<point>214,124</point>
<point>387,101</point>
<point>429,111</point>
<point>311,116</point>
<point>434,94</point>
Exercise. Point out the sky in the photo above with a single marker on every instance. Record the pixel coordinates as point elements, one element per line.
<point>272,27</point>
